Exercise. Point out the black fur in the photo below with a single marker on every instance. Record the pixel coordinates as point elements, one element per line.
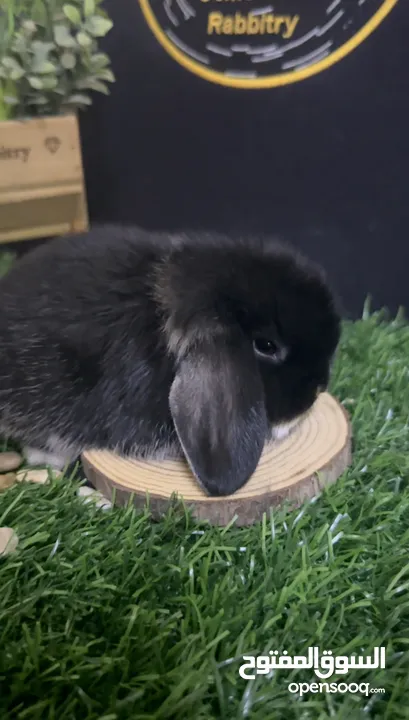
<point>143,344</point>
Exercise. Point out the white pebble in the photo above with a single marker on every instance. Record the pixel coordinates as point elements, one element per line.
<point>91,495</point>
<point>103,504</point>
<point>7,480</point>
<point>8,541</point>
<point>36,476</point>
<point>84,490</point>
<point>9,461</point>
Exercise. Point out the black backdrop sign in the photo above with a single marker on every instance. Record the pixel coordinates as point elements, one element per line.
<point>251,44</point>
<point>323,162</point>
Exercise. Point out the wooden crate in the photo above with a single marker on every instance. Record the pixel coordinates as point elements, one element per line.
<point>42,192</point>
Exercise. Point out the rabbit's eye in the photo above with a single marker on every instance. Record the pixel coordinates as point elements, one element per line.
<point>266,347</point>
<point>269,349</point>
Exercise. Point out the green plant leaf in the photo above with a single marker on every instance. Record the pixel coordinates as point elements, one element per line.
<point>72,13</point>
<point>16,75</point>
<point>93,84</point>
<point>29,27</point>
<point>11,69</point>
<point>36,82</point>
<point>106,74</point>
<point>45,68</point>
<point>89,8</point>
<point>79,99</point>
<point>11,64</point>
<point>68,60</point>
<point>19,44</point>
<point>10,100</point>
<point>37,11</point>
<point>41,62</point>
<point>99,61</point>
<point>49,82</point>
<point>84,39</point>
<point>98,26</point>
<point>42,48</point>
<point>63,37</point>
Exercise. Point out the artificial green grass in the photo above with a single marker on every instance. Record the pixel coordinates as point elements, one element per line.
<point>106,615</point>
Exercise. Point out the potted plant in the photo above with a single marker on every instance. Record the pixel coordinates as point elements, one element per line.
<point>50,64</point>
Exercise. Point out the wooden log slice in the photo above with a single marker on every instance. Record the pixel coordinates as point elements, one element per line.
<point>315,454</point>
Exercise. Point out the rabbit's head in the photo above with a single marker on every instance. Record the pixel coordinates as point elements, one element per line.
<point>252,329</point>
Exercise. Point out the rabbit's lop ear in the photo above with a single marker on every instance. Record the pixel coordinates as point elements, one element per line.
<point>217,405</point>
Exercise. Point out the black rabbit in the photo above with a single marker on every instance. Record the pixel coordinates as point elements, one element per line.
<point>161,346</point>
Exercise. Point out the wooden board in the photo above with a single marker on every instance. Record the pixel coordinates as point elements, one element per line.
<point>42,192</point>
<point>295,469</point>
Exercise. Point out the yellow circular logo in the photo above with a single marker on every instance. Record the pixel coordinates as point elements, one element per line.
<point>255,44</point>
